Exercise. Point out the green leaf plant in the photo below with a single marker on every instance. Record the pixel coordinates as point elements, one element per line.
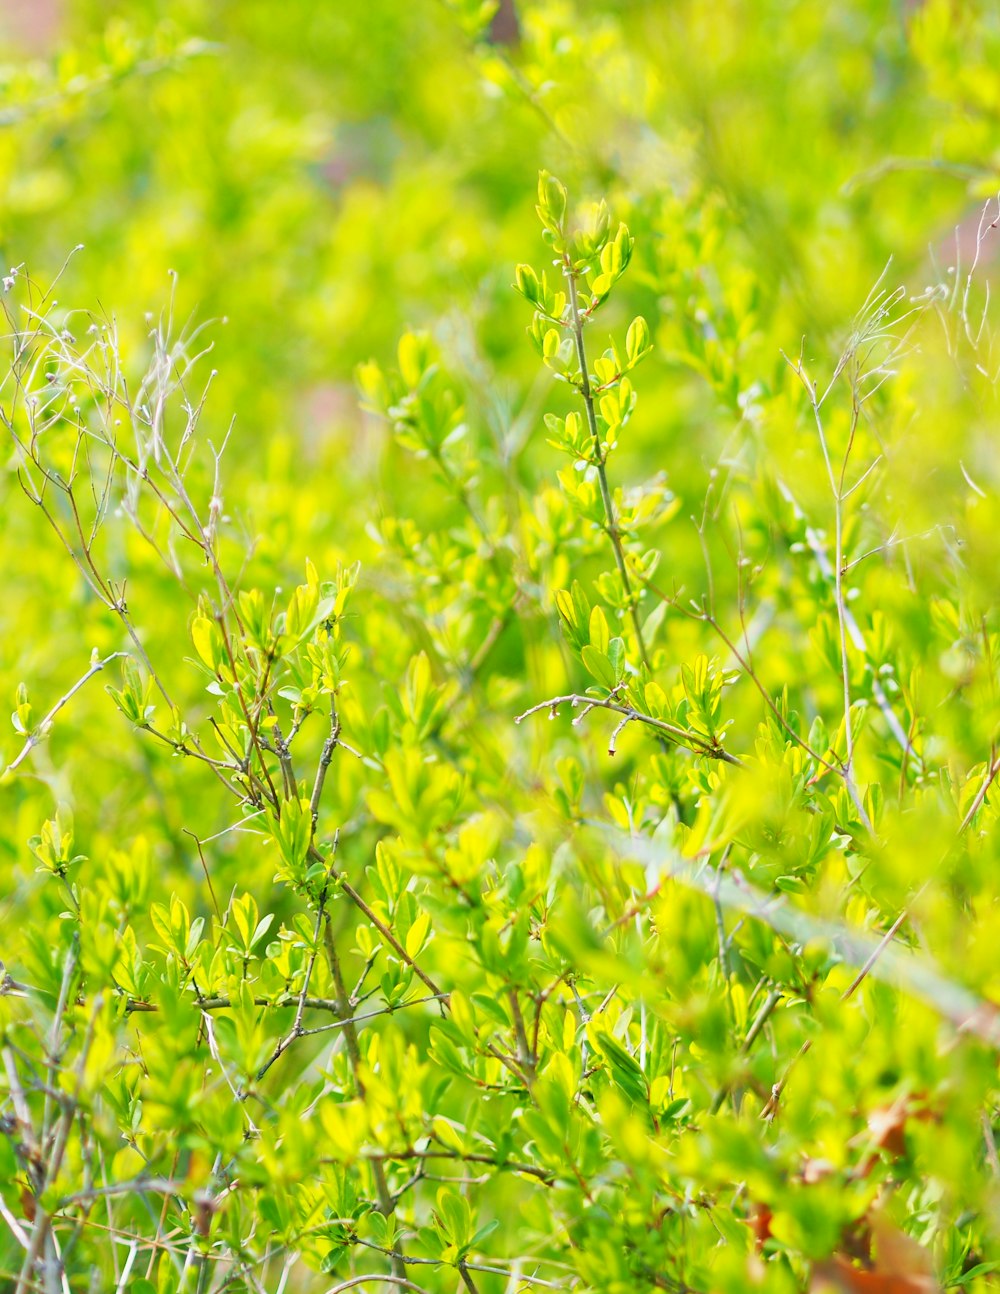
<point>390,990</point>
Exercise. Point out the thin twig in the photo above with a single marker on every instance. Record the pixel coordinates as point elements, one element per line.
<point>41,728</point>
<point>681,736</point>
<point>611,523</point>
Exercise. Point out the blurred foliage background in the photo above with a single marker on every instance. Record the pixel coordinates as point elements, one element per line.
<point>316,179</point>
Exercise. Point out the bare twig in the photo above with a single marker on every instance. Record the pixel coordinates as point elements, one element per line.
<point>681,736</point>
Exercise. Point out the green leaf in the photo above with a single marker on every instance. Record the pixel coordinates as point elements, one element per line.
<point>599,667</point>
<point>599,631</point>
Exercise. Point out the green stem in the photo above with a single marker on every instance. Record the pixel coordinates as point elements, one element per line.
<point>611,525</point>
<point>385,1201</point>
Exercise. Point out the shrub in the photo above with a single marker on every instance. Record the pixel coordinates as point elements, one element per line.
<point>591,887</point>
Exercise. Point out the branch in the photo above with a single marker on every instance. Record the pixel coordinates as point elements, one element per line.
<point>40,730</point>
<point>964,1009</point>
<point>689,740</point>
<point>386,1203</point>
<point>611,524</point>
<point>329,746</point>
<point>380,1278</point>
<point>468,1157</point>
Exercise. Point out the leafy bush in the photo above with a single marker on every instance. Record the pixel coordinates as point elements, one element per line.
<point>541,833</point>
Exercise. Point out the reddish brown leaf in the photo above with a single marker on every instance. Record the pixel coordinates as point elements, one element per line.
<point>760,1222</point>
<point>901,1266</point>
